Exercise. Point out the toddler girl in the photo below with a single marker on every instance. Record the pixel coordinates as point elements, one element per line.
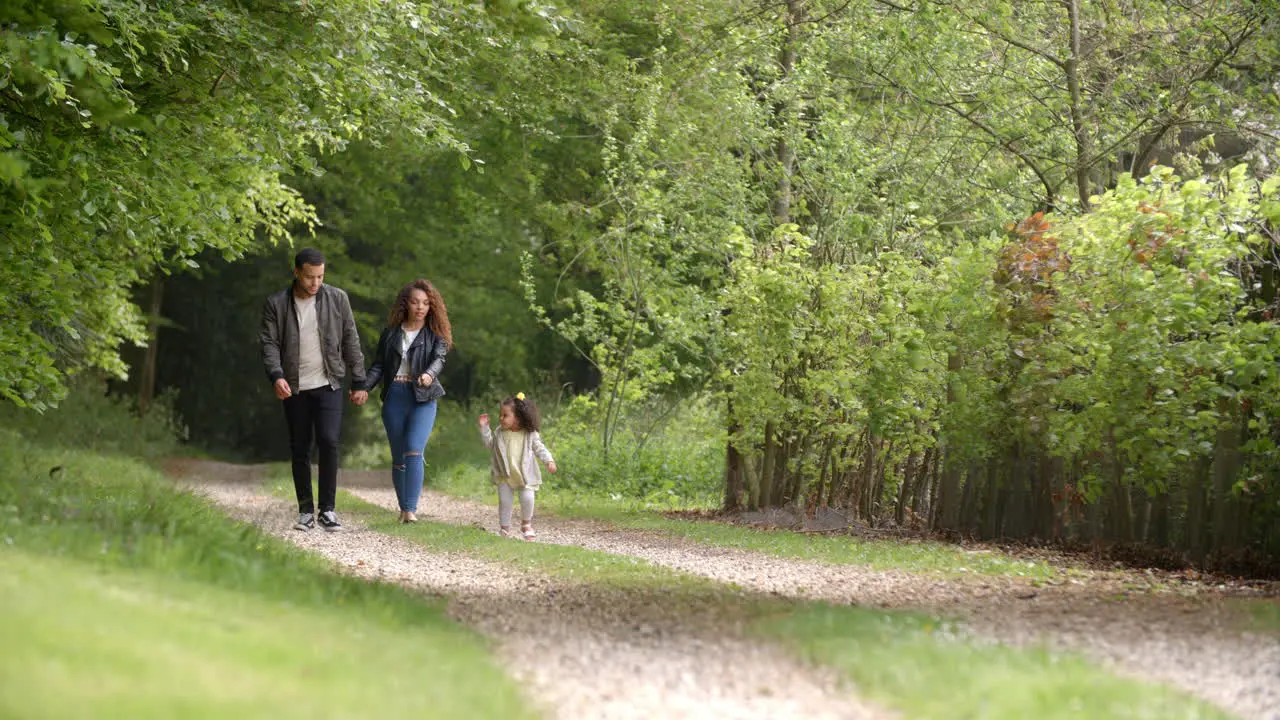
<point>517,447</point>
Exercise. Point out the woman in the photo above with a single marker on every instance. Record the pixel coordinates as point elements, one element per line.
<point>408,361</point>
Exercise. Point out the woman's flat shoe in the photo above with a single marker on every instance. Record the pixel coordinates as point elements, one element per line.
<point>410,517</point>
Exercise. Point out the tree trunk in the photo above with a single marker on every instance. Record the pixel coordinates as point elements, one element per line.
<point>923,503</point>
<point>1121,505</point>
<point>949,495</point>
<point>734,485</point>
<point>1226,463</point>
<point>1197,485</point>
<point>1143,521</point>
<point>989,505</point>
<point>783,152</point>
<point>822,492</point>
<point>906,490</point>
<point>766,465</point>
<point>1078,121</point>
<point>1017,514</point>
<point>797,479</point>
<point>1048,479</point>
<point>147,384</point>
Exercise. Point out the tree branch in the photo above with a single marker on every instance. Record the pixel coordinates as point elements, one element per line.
<point>1233,47</point>
<point>1013,41</point>
<point>1002,142</point>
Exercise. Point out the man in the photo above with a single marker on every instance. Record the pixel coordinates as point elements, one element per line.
<point>309,342</point>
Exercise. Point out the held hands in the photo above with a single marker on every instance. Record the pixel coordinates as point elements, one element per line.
<point>283,392</point>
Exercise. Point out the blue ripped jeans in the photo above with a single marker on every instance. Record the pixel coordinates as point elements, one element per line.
<point>408,424</point>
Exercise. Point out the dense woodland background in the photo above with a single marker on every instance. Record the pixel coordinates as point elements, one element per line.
<point>994,269</point>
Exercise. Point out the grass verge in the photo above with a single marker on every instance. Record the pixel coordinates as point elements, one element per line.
<point>1263,614</point>
<point>919,667</point>
<point>123,596</point>
<point>457,465</point>
<point>566,562</point>
<point>918,556</point>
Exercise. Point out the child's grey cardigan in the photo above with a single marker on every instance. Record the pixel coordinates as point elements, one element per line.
<point>534,451</point>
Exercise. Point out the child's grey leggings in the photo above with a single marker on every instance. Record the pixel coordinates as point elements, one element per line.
<point>504,504</point>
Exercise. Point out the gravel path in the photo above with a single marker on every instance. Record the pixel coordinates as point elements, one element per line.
<point>1187,641</point>
<point>581,651</point>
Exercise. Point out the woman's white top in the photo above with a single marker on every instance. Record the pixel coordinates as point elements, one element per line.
<point>406,339</point>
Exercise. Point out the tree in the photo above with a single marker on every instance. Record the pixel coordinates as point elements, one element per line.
<point>134,137</point>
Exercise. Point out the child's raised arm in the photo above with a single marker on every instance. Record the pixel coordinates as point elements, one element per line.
<point>485,433</point>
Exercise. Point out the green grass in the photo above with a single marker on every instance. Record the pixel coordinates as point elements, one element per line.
<point>82,641</point>
<point>1263,613</point>
<point>917,556</point>
<point>567,562</point>
<point>915,665</point>
<point>122,596</point>
<point>470,482</point>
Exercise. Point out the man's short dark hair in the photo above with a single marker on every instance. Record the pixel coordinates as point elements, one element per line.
<point>308,256</point>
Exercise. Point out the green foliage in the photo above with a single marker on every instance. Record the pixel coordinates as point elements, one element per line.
<point>1155,324</point>
<point>827,255</point>
<point>794,210</point>
<point>93,420</point>
<point>664,453</point>
<point>669,456</point>
<point>136,137</point>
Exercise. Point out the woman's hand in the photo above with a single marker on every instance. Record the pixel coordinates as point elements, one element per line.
<point>425,379</point>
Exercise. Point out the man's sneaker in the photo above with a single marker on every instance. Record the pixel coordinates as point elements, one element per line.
<point>329,521</point>
<point>306,521</point>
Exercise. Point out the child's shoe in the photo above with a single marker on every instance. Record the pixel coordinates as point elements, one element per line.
<point>526,529</point>
<point>504,531</point>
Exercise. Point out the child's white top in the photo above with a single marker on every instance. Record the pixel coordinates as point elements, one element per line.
<point>525,462</point>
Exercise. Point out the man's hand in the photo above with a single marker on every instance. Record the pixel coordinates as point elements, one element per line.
<point>551,467</point>
<point>425,379</point>
<point>282,389</point>
<point>359,397</point>
<point>484,420</point>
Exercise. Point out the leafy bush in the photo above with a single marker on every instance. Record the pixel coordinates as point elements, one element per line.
<point>91,419</point>
<point>660,453</point>
<point>665,454</point>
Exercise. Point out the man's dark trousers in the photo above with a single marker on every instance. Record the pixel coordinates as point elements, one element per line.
<point>314,413</point>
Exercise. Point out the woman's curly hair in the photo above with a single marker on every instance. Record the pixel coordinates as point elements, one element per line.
<point>437,313</point>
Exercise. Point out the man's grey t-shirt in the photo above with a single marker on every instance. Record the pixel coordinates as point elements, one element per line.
<point>311,373</point>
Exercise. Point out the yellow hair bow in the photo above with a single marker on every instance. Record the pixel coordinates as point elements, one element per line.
<point>520,396</point>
